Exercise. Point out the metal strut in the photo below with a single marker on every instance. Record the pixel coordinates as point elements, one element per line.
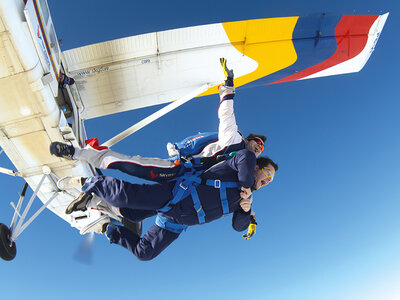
<point>16,209</point>
<point>9,172</point>
<point>156,115</point>
<point>17,228</point>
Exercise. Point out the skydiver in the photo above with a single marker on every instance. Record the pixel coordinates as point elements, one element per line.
<point>156,169</point>
<point>63,99</point>
<point>185,201</point>
<point>65,80</point>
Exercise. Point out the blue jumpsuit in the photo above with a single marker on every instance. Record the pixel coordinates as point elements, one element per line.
<point>138,201</point>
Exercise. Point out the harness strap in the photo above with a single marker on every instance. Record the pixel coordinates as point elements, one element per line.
<point>178,191</point>
<point>194,165</point>
<point>197,205</point>
<point>224,200</point>
<point>167,224</point>
<point>222,186</point>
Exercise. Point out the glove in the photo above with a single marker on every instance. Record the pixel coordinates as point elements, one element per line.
<point>111,227</point>
<point>252,228</point>
<point>228,73</point>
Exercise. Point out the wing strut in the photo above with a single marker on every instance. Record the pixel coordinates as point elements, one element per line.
<point>146,121</point>
<point>9,172</point>
<point>17,226</point>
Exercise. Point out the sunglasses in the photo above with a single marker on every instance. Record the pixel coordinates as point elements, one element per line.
<point>259,142</point>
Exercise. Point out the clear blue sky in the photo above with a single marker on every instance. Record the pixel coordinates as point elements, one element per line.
<point>329,225</point>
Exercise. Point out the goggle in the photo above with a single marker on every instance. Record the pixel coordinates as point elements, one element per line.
<point>259,142</point>
<point>268,172</point>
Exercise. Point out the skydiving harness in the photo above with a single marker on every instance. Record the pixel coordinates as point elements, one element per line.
<point>186,185</point>
<point>199,162</point>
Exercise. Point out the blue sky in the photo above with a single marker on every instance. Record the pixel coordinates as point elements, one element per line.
<point>329,225</point>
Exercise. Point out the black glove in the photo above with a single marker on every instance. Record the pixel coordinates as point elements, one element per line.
<point>228,73</point>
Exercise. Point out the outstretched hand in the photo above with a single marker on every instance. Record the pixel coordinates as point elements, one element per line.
<point>228,73</point>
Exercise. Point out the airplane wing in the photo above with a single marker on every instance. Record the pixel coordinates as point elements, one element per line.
<point>156,68</point>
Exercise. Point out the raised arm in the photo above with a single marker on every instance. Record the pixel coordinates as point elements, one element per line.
<point>228,130</point>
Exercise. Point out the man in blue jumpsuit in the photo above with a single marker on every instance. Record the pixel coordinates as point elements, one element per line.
<point>220,190</point>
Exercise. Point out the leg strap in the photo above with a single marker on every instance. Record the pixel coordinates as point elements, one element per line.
<point>167,224</point>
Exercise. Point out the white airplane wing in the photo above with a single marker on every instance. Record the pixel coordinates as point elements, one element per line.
<point>150,69</point>
<point>161,67</point>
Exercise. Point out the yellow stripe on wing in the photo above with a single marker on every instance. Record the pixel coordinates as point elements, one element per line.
<point>267,41</point>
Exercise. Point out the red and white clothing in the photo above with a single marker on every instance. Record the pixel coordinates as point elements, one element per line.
<point>156,169</point>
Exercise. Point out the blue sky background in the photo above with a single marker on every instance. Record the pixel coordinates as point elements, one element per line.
<point>329,225</point>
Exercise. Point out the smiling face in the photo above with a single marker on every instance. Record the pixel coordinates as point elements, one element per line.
<point>263,176</point>
<point>255,145</point>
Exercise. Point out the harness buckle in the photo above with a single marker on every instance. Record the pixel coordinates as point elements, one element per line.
<point>183,186</point>
<point>217,183</point>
